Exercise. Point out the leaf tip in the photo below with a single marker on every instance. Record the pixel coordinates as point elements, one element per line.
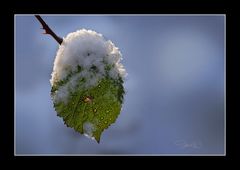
<point>98,141</point>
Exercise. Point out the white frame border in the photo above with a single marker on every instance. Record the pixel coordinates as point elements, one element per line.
<point>224,154</point>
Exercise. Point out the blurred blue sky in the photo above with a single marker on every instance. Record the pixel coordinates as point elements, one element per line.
<point>175,86</point>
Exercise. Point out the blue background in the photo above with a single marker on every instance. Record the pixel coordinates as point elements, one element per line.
<point>174,101</point>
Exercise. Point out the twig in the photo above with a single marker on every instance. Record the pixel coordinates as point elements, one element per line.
<point>48,30</point>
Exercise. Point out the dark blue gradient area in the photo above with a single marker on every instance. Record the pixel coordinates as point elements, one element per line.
<point>174,101</point>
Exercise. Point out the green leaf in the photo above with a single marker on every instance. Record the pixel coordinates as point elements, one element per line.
<point>90,110</point>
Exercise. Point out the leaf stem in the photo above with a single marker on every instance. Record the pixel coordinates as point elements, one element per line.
<point>48,30</point>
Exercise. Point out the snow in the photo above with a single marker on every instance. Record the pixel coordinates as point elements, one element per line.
<point>85,48</point>
<point>88,129</point>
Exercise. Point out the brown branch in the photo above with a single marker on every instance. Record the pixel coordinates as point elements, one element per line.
<point>48,30</point>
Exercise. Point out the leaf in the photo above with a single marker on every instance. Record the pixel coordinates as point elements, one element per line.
<point>89,110</point>
<point>87,82</point>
